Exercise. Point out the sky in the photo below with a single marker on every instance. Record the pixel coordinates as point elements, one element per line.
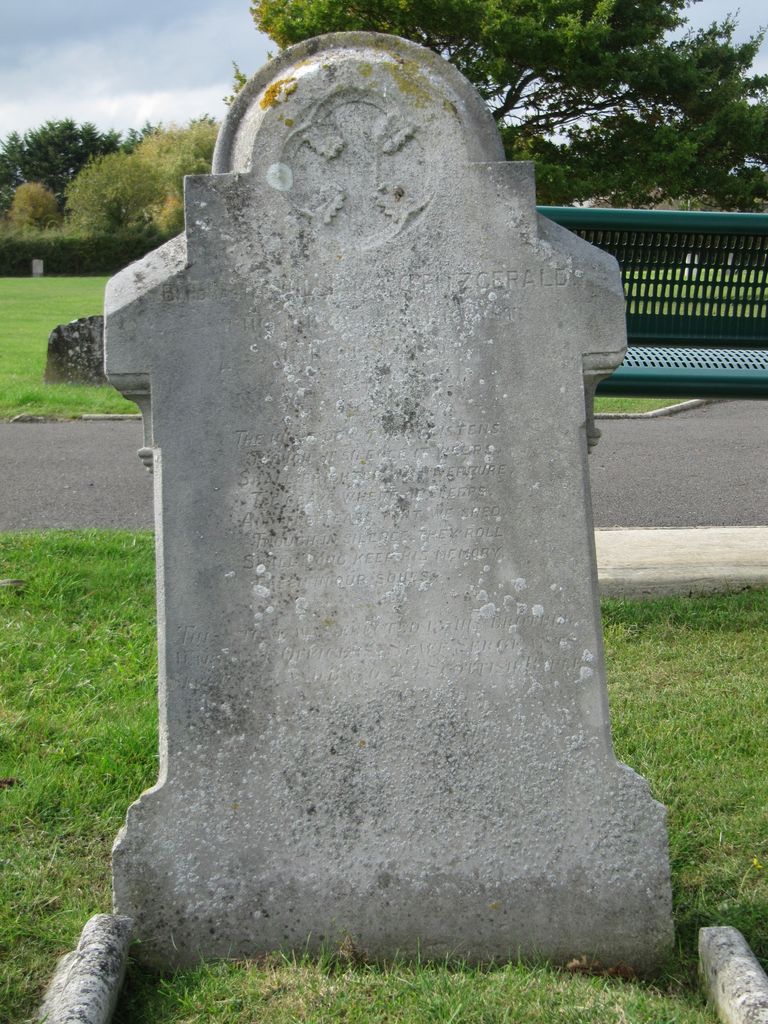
<point>121,65</point>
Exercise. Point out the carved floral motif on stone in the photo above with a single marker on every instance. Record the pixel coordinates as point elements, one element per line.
<point>355,166</point>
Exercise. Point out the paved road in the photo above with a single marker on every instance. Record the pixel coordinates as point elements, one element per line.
<point>706,467</point>
<point>73,475</point>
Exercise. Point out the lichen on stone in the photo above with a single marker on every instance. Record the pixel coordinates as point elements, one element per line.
<point>272,92</point>
<point>409,81</point>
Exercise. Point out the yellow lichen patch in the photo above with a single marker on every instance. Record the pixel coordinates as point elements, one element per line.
<point>288,122</point>
<point>365,69</point>
<point>272,92</point>
<point>409,81</point>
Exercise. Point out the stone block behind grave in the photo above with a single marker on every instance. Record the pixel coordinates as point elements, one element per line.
<point>76,352</point>
<point>383,716</point>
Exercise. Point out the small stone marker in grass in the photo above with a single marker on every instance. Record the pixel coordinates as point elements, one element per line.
<point>382,698</point>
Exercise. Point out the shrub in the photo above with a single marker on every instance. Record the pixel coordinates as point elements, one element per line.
<point>130,190</point>
<point>114,192</point>
<point>34,206</point>
<point>74,254</point>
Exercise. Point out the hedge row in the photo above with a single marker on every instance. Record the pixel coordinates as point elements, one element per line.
<point>73,255</point>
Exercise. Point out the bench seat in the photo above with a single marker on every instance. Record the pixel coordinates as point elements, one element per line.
<point>654,371</point>
<point>696,286</point>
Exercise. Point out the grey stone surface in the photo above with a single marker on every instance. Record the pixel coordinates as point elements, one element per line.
<point>382,698</point>
<point>37,268</point>
<point>732,977</point>
<point>76,352</point>
<point>86,984</point>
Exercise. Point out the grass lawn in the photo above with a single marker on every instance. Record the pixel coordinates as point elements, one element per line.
<point>603,405</point>
<point>30,308</point>
<point>78,743</point>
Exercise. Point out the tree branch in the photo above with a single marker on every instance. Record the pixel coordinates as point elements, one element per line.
<point>514,95</point>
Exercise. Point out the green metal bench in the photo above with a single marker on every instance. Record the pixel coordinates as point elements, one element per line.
<point>697,299</point>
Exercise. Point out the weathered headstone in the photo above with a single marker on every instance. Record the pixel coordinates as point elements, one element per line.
<point>382,698</point>
<point>76,352</point>
<point>37,268</point>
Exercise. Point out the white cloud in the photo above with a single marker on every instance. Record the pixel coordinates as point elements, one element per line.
<point>122,111</point>
<point>128,74</point>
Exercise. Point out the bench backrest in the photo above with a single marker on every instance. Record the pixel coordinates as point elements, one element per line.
<point>690,278</point>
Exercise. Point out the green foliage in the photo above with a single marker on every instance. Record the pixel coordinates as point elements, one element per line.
<point>335,989</point>
<point>80,741</point>
<point>171,154</point>
<point>11,172</point>
<point>593,90</point>
<point>632,405</point>
<point>75,254</point>
<point>34,206</point>
<point>144,186</point>
<point>112,193</point>
<point>239,78</point>
<point>135,135</point>
<point>51,154</point>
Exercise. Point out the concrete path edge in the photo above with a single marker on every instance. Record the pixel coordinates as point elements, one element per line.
<point>662,562</point>
<point>108,417</point>
<point>732,977</point>
<point>86,984</point>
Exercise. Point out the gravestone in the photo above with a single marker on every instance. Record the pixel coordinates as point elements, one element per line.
<point>37,268</point>
<point>364,372</point>
<point>76,352</point>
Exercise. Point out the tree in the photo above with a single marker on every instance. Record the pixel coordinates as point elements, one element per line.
<point>144,186</point>
<point>11,176</point>
<point>173,153</point>
<point>595,91</point>
<point>52,155</point>
<point>114,192</point>
<point>34,206</point>
<point>136,135</point>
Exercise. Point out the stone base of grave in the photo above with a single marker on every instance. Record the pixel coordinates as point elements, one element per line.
<point>596,886</point>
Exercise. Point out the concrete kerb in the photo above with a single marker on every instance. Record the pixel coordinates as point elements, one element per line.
<point>26,417</point>
<point>91,416</point>
<point>732,977</point>
<point>87,981</point>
